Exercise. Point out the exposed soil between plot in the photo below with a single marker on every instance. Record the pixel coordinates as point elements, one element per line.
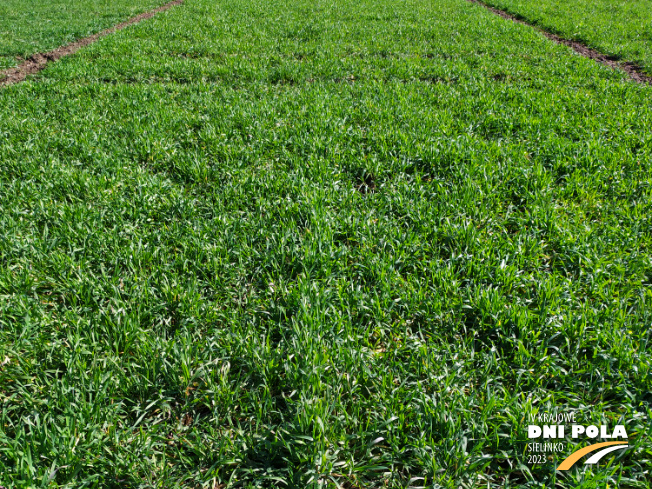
<point>38,61</point>
<point>634,71</point>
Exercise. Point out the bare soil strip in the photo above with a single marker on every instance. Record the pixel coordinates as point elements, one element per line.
<point>634,71</point>
<point>38,61</point>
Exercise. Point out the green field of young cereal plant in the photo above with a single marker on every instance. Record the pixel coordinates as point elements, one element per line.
<point>323,244</point>
<point>618,28</point>
<point>32,26</point>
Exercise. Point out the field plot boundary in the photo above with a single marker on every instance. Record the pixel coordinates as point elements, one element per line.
<point>634,71</point>
<point>39,61</point>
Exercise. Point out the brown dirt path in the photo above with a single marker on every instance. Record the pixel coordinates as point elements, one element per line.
<point>634,71</point>
<point>38,61</point>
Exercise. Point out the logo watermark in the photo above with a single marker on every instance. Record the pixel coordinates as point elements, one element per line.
<point>548,436</point>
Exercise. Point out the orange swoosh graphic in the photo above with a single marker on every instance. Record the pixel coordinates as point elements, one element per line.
<point>575,456</point>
